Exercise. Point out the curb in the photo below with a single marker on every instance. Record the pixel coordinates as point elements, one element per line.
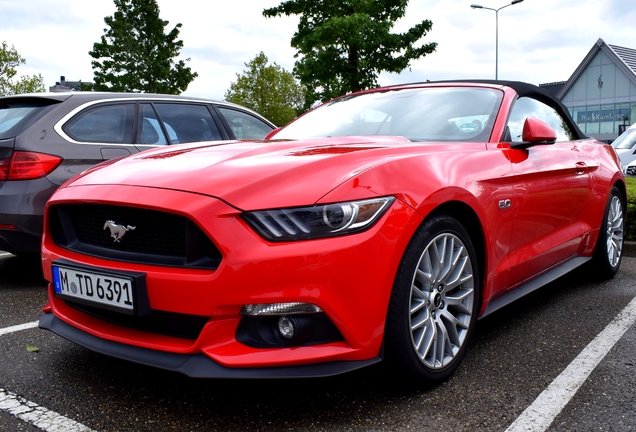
<point>629,248</point>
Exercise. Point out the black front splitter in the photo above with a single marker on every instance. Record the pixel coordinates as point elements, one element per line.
<point>194,365</point>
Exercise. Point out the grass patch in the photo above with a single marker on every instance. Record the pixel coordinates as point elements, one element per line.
<point>631,208</point>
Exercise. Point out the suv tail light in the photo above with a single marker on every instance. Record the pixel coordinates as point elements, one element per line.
<point>27,166</point>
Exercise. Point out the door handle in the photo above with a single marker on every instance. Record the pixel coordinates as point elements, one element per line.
<point>580,168</point>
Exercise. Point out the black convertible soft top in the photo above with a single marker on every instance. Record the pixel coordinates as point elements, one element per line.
<point>529,90</point>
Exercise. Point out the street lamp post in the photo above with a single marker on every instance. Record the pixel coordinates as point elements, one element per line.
<point>476,6</point>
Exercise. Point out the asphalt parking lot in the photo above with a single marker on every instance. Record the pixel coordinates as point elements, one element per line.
<point>517,356</point>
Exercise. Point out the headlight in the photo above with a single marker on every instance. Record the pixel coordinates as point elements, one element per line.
<point>328,220</point>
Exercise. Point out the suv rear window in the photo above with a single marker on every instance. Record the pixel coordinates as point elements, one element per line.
<point>16,115</point>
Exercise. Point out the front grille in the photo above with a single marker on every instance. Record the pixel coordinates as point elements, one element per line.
<point>155,233</point>
<point>132,234</point>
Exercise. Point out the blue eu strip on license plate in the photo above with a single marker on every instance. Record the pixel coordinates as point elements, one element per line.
<point>101,290</point>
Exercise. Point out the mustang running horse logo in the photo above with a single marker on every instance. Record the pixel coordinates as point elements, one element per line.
<point>117,231</point>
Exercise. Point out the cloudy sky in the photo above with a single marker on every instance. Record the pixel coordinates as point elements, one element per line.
<point>540,41</point>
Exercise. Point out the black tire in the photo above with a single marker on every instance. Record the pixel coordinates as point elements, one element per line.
<point>434,303</point>
<point>609,246</point>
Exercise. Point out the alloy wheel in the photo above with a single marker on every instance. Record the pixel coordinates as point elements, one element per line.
<point>441,303</point>
<point>615,223</point>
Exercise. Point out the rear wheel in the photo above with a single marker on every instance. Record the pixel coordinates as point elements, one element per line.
<point>609,247</point>
<point>434,302</point>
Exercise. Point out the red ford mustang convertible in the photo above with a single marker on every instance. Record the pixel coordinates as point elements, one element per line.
<point>380,225</point>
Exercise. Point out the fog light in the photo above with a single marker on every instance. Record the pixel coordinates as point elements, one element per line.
<point>286,327</point>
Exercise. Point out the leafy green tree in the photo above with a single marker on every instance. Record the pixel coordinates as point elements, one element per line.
<point>269,90</point>
<point>343,45</point>
<point>136,55</point>
<point>86,86</point>
<point>10,59</point>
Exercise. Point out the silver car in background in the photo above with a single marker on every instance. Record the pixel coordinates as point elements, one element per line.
<point>625,147</point>
<point>47,138</point>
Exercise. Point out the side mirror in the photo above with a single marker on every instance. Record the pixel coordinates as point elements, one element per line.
<point>536,131</point>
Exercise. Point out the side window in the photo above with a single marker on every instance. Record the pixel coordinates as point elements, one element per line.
<point>244,125</point>
<point>526,107</point>
<point>103,124</point>
<point>151,132</point>
<point>187,122</point>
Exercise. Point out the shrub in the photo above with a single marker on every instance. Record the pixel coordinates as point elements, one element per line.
<point>630,233</point>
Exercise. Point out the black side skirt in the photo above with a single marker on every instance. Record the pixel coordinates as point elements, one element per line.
<point>534,284</point>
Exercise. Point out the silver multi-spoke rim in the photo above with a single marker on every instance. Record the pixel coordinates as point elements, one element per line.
<point>442,295</point>
<point>615,222</point>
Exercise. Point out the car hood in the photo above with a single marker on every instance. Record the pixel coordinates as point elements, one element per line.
<point>252,174</point>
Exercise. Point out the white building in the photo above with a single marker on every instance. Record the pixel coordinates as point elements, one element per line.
<point>601,93</point>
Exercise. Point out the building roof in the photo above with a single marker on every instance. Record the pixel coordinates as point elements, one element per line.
<point>627,55</point>
<point>625,59</point>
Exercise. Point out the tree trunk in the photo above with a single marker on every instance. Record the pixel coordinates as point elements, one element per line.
<point>354,83</point>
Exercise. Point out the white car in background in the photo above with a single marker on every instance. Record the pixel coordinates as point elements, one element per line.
<point>630,168</point>
<point>625,147</point>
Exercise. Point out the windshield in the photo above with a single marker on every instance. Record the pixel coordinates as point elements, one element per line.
<point>626,140</point>
<point>420,114</point>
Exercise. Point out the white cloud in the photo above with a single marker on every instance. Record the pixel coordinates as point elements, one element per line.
<point>539,40</point>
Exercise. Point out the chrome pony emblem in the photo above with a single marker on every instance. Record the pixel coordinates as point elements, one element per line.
<point>117,231</point>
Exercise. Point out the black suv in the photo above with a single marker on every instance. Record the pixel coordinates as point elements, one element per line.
<point>47,138</point>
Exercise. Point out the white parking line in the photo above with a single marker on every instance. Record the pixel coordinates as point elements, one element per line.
<point>19,327</point>
<point>31,412</point>
<point>37,415</point>
<point>538,416</point>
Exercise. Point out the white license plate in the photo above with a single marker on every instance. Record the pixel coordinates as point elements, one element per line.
<point>102,290</point>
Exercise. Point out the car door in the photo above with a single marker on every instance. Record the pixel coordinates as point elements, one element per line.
<point>105,130</point>
<point>552,190</point>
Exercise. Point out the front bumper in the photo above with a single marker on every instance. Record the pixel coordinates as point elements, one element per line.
<point>350,278</point>
<point>194,365</point>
